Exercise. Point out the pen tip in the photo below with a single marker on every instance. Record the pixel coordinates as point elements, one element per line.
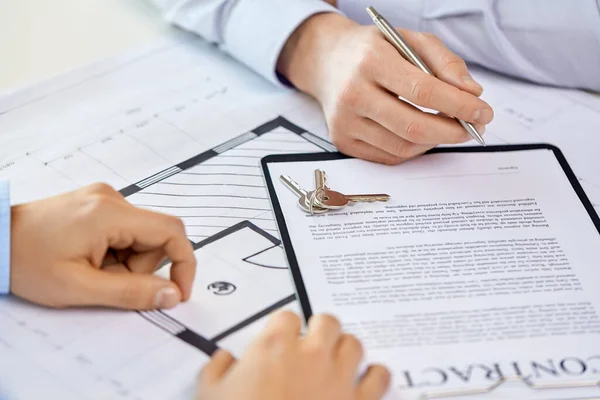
<point>478,137</point>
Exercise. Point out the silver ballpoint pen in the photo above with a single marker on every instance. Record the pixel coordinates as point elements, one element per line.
<point>394,37</point>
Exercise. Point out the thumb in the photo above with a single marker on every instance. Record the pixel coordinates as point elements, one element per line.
<point>218,366</point>
<point>133,291</point>
<point>212,373</point>
<point>374,383</point>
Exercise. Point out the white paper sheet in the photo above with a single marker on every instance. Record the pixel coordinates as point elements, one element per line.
<point>479,261</point>
<point>527,113</point>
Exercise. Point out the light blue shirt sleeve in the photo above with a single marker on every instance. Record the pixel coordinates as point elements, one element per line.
<point>552,42</point>
<point>4,238</point>
<point>253,31</point>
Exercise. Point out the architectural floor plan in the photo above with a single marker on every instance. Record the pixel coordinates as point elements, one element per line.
<point>241,277</point>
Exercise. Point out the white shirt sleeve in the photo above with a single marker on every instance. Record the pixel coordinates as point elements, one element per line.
<point>553,42</point>
<point>253,31</point>
<point>4,238</point>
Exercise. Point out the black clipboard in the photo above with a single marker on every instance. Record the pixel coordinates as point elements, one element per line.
<point>327,156</point>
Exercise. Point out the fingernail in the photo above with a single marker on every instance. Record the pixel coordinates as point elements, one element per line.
<point>166,298</point>
<point>480,129</point>
<point>472,82</point>
<point>483,116</point>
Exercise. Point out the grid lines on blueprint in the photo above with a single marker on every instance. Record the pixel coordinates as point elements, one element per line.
<point>224,185</point>
<point>221,197</point>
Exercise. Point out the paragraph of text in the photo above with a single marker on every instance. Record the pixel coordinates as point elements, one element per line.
<point>447,260</point>
<point>433,218</point>
<point>483,325</point>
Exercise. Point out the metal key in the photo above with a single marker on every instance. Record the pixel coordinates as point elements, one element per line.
<point>324,197</point>
<point>301,193</point>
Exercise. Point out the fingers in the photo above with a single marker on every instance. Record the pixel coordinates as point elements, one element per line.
<point>217,367</point>
<point>445,65</point>
<point>100,188</point>
<point>145,262</point>
<point>373,384</point>
<point>349,355</point>
<point>359,149</point>
<point>412,124</point>
<point>284,324</point>
<point>323,331</point>
<point>119,289</point>
<point>407,81</point>
<point>116,268</point>
<point>183,269</point>
<point>373,142</point>
<point>127,226</point>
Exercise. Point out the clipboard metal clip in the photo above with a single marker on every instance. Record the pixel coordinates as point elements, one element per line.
<point>444,394</point>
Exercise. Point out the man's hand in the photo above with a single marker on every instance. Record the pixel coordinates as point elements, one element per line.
<point>279,364</point>
<point>91,247</point>
<point>357,76</point>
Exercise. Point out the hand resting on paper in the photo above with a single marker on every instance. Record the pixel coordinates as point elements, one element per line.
<point>90,247</point>
<point>279,364</point>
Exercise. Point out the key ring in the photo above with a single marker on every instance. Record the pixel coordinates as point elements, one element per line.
<point>313,198</point>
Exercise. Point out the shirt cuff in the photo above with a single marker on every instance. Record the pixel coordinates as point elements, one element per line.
<point>4,238</point>
<point>257,31</point>
<point>401,14</point>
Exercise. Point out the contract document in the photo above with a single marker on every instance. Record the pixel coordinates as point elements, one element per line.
<point>180,128</point>
<point>483,266</point>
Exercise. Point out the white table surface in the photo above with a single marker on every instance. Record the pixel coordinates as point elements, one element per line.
<point>42,38</point>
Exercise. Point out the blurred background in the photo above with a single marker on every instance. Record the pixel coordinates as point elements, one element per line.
<point>42,38</point>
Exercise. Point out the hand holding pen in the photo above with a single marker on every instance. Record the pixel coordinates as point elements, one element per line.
<point>394,37</point>
<point>358,77</point>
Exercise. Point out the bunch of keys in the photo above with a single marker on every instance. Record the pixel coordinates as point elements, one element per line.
<point>323,199</point>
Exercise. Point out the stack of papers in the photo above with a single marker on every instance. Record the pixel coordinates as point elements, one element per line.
<point>180,128</point>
